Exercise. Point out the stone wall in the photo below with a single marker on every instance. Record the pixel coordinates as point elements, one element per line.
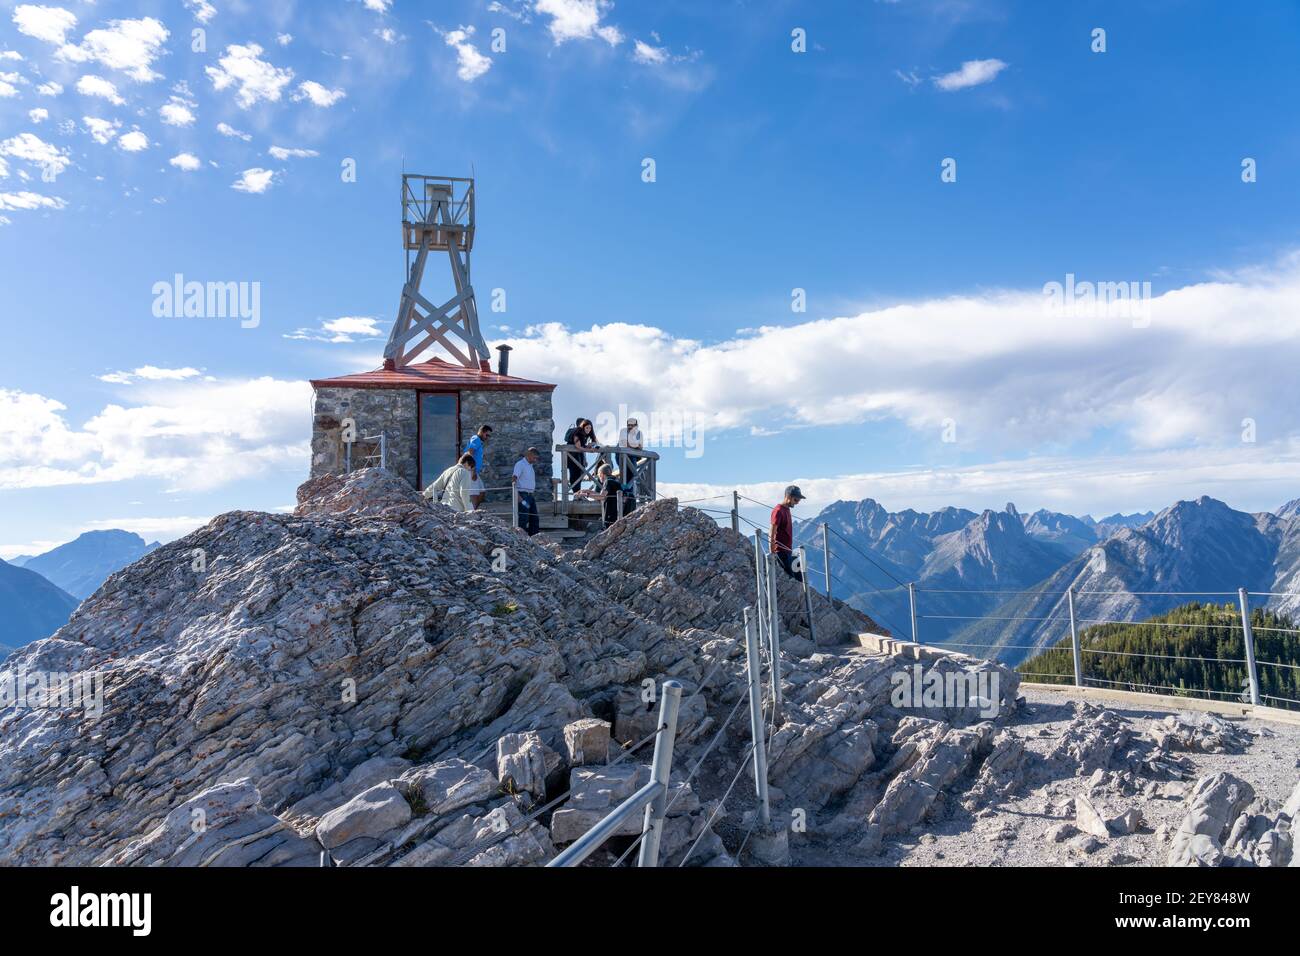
<point>373,409</point>
<point>519,420</point>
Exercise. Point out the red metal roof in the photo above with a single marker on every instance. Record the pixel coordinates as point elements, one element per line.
<point>433,374</point>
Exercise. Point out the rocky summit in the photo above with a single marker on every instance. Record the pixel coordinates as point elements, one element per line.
<point>377,680</point>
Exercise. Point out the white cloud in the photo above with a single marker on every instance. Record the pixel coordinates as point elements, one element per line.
<point>11,55</point>
<point>1251,477</point>
<point>98,86</point>
<point>225,129</point>
<point>50,89</point>
<point>193,434</point>
<point>202,10</point>
<point>349,328</point>
<point>48,24</point>
<point>518,12</point>
<point>255,180</point>
<point>318,94</point>
<point>255,78</point>
<point>471,64</point>
<point>130,46</point>
<point>177,112</point>
<point>579,20</point>
<point>186,162</point>
<point>387,34</point>
<point>1009,374</point>
<point>101,130</point>
<point>28,200</point>
<point>151,373</point>
<point>133,142</point>
<point>283,152</point>
<point>31,149</point>
<point>972,73</point>
<point>9,83</point>
<point>643,52</point>
<point>284,39</point>
<point>379,6</point>
<point>38,115</point>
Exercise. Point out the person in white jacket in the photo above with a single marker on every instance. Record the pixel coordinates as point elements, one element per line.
<point>452,487</point>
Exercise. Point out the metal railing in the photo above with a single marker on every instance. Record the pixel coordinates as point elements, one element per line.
<point>762,630</point>
<point>871,596</point>
<point>651,799</point>
<point>379,457</point>
<point>641,463</point>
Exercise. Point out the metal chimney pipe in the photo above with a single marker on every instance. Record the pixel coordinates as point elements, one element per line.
<point>503,362</point>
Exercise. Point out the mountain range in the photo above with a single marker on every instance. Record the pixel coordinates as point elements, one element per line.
<point>30,607</point>
<point>38,594</point>
<point>996,581</point>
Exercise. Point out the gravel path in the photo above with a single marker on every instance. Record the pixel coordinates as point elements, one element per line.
<point>1014,832</point>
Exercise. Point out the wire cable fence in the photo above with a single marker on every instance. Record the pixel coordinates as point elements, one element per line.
<point>1248,653</point>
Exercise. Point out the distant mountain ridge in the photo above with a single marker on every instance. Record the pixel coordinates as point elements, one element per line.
<point>30,607</point>
<point>83,564</point>
<point>1012,570</point>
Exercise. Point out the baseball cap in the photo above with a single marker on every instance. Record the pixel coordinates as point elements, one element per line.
<point>793,491</point>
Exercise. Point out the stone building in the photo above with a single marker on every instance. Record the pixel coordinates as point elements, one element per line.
<point>426,413</point>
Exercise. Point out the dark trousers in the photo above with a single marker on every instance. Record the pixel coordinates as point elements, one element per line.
<point>528,519</point>
<point>787,561</point>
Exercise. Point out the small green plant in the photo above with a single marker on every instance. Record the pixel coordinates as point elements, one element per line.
<point>505,608</point>
<point>418,806</point>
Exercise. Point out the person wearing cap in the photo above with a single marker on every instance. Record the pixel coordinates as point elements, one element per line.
<point>781,536</point>
<point>630,437</point>
<point>525,480</point>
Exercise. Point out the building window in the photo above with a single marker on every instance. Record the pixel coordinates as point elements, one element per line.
<point>439,434</point>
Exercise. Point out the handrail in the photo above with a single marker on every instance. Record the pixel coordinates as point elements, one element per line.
<point>652,797</point>
<point>602,449</point>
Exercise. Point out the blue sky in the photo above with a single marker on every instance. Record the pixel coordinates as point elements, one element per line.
<point>925,370</point>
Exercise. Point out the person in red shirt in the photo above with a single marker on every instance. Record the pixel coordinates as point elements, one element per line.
<point>782,531</point>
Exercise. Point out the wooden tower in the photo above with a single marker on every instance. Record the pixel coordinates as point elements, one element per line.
<point>437,216</point>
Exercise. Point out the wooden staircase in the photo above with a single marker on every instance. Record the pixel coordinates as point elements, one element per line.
<point>555,527</point>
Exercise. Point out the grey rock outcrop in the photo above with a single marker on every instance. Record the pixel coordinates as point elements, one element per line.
<point>225,825</point>
<point>1212,807</point>
<point>355,666</point>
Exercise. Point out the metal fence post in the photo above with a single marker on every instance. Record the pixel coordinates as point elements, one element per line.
<point>1074,640</point>
<point>735,511</point>
<point>911,601</point>
<point>1250,645</point>
<point>760,586</point>
<point>660,772</point>
<point>807,597</point>
<point>756,720</point>
<point>383,450</point>
<point>826,557</point>
<point>514,504</point>
<point>774,639</point>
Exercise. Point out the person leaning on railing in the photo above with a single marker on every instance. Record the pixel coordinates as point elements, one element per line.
<point>630,437</point>
<point>781,536</point>
<point>608,488</point>
<point>579,435</point>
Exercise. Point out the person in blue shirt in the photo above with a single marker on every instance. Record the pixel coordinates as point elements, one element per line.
<point>475,447</point>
